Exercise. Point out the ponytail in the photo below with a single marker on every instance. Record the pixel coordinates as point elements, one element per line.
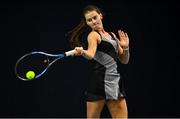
<point>76,34</point>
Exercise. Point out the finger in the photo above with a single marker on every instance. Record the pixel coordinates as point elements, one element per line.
<point>81,48</point>
<point>126,35</point>
<point>122,33</point>
<point>119,32</point>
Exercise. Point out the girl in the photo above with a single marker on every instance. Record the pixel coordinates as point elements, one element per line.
<point>104,49</point>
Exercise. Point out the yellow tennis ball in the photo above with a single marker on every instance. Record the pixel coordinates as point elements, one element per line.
<point>30,75</point>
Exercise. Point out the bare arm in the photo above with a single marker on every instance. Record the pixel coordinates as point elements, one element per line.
<point>123,47</point>
<point>93,40</point>
<point>124,57</point>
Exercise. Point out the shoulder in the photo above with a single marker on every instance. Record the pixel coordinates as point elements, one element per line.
<point>94,36</point>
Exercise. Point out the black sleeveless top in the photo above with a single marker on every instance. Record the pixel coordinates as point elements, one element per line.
<point>104,82</point>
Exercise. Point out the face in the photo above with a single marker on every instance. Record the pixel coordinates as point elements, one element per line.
<point>94,20</point>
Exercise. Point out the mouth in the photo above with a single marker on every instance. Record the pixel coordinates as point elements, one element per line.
<point>95,25</point>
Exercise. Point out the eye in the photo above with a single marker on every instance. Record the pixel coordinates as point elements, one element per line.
<point>95,17</point>
<point>89,20</point>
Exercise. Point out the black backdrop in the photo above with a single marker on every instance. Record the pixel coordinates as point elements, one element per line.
<point>150,77</point>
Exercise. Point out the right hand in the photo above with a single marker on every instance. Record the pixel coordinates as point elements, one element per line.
<point>79,51</point>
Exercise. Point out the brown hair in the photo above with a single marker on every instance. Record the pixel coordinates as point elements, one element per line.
<point>76,33</point>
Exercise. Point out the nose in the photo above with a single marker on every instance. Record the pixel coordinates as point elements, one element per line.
<point>93,21</point>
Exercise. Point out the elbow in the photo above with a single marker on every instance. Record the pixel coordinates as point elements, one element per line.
<point>87,55</point>
<point>90,56</point>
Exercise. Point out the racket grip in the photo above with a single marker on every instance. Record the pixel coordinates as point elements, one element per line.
<point>70,53</point>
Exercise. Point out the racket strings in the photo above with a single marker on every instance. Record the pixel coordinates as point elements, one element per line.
<point>35,62</point>
<point>38,62</point>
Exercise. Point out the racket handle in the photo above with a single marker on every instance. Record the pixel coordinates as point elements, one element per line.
<point>70,53</point>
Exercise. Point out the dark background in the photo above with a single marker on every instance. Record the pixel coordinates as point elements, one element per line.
<point>151,80</point>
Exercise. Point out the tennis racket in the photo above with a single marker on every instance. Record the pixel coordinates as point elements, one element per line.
<point>37,63</point>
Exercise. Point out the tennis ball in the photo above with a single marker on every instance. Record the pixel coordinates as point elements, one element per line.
<point>30,75</point>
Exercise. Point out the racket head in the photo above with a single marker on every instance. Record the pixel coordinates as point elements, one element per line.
<point>38,62</point>
<point>31,62</point>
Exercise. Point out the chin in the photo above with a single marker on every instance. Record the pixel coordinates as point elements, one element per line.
<point>96,28</point>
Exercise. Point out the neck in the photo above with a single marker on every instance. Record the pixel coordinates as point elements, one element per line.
<point>101,31</point>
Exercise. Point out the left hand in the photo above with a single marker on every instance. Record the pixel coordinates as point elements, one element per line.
<point>124,39</point>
